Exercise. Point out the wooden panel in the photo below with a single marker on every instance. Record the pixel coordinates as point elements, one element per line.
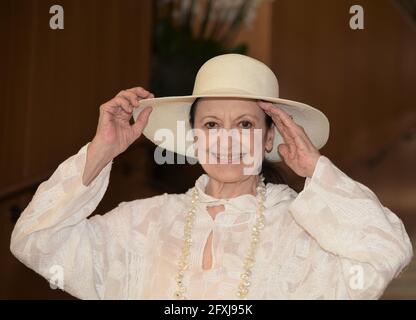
<point>258,34</point>
<point>363,80</point>
<point>51,84</point>
<point>53,81</point>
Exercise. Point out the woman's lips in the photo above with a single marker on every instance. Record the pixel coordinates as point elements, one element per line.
<point>228,157</point>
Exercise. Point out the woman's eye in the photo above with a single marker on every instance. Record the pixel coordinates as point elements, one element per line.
<point>211,125</point>
<point>246,124</point>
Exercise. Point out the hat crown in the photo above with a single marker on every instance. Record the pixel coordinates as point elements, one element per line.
<point>235,73</point>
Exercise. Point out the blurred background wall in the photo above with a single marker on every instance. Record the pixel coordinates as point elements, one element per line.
<point>53,81</point>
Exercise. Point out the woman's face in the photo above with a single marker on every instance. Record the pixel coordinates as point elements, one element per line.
<point>231,137</point>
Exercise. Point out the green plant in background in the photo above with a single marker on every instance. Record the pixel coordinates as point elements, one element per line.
<point>189,32</point>
<point>202,28</point>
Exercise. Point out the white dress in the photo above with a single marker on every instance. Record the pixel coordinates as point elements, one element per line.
<point>333,240</point>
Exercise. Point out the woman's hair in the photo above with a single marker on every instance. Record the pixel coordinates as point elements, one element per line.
<point>269,170</point>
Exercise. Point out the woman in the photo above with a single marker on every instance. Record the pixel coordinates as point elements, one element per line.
<point>233,235</point>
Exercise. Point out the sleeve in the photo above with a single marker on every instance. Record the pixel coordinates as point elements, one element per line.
<point>347,220</point>
<point>53,235</point>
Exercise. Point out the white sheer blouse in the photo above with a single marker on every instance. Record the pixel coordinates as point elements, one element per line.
<point>333,240</point>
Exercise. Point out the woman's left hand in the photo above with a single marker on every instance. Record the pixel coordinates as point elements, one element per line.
<point>298,152</point>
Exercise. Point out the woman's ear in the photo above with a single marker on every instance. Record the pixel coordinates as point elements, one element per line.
<point>270,134</point>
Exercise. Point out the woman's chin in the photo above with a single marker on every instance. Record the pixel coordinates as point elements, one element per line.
<point>225,172</point>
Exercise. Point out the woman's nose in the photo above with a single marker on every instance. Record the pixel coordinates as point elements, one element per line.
<point>229,140</point>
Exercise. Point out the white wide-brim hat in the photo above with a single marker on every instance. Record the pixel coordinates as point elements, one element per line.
<point>228,75</point>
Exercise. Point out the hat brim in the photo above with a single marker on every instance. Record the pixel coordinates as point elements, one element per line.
<point>168,110</point>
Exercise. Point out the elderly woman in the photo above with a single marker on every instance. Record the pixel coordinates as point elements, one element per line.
<point>234,234</point>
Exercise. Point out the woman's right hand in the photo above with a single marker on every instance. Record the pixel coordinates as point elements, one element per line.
<point>114,132</point>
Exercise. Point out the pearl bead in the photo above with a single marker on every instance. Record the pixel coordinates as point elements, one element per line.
<point>249,263</point>
<point>246,283</point>
<point>243,290</point>
<point>247,272</point>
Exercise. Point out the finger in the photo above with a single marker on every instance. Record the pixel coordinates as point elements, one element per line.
<point>268,109</point>
<point>287,125</point>
<point>265,105</point>
<point>296,131</point>
<point>141,92</point>
<point>287,137</point>
<point>292,137</point>
<point>124,103</point>
<point>119,106</point>
<point>283,130</point>
<point>130,96</point>
<point>142,120</point>
<point>293,134</point>
<point>279,125</point>
<point>274,109</point>
<point>290,143</point>
<point>283,150</point>
<point>286,119</point>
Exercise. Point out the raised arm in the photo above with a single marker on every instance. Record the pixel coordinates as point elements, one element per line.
<point>53,235</point>
<point>356,233</point>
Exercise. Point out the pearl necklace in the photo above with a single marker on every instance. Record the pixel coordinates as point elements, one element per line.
<point>249,258</point>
